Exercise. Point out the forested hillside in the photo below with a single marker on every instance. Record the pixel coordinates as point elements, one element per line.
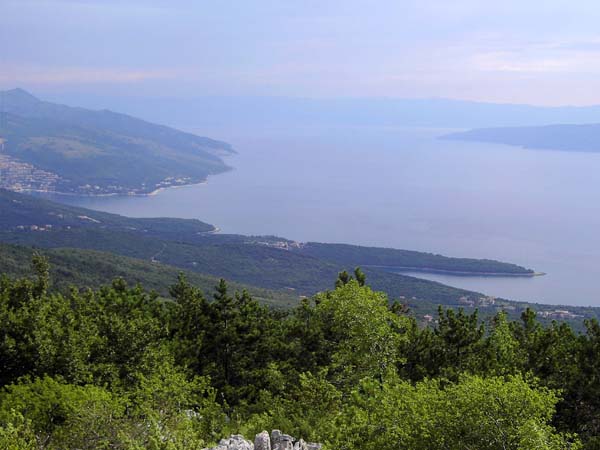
<point>119,368</point>
<point>71,267</point>
<point>27,213</point>
<point>269,263</point>
<point>266,261</point>
<point>54,147</point>
<point>405,259</point>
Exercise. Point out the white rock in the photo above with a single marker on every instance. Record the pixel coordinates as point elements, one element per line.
<point>262,441</point>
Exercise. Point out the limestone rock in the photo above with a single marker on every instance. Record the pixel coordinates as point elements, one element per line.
<point>300,445</point>
<point>281,441</point>
<point>262,441</point>
<point>234,442</point>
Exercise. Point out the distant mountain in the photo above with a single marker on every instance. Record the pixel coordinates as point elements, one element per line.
<point>281,114</point>
<point>52,147</point>
<point>579,138</point>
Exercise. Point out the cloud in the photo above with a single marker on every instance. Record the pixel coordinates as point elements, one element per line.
<point>588,45</point>
<point>310,48</point>
<point>84,75</point>
<point>542,58</point>
<point>512,62</point>
<point>101,4</point>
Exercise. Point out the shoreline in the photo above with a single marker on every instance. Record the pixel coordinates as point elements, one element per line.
<point>113,194</point>
<point>215,230</point>
<point>459,273</point>
<point>164,188</point>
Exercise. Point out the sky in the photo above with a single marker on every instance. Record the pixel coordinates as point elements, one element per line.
<point>542,52</point>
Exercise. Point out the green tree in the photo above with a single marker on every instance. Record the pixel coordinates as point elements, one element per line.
<point>474,413</point>
<point>63,415</point>
<point>502,354</point>
<point>459,341</point>
<point>364,335</point>
<point>16,433</point>
<point>191,322</point>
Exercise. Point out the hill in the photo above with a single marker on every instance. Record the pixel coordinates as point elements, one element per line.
<point>268,261</point>
<point>93,269</point>
<point>27,213</point>
<point>394,259</point>
<point>52,147</point>
<point>258,265</point>
<point>264,262</point>
<point>578,138</point>
<point>67,225</point>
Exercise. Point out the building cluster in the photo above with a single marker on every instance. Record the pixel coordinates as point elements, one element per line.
<point>46,227</point>
<point>20,176</point>
<point>283,245</point>
<point>481,302</point>
<point>116,189</point>
<point>559,314</point>
<point>173,181</point>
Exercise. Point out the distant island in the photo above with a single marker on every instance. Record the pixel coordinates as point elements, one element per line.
<point>47,147</point>
<point>573,138</point>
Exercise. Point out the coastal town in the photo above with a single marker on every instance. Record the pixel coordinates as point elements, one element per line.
<point>20,176</point>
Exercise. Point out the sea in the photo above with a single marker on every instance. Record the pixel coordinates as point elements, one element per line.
<point>405,188</point>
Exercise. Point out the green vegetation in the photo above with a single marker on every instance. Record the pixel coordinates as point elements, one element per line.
<point>354,255</point>
<point>120,368</point>
<point>26,211</point>
<point>22,212</point>
<point>186,245</point>
<point>258,265</point>
<point>285,268</point>
<point>99,152</point>
<point>77,267</point>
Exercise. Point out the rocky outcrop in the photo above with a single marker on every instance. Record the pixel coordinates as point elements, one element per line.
<point>262,441</point>
<point>234,442</point>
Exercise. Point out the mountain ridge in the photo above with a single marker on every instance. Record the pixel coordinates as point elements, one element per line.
<point>58,148</point>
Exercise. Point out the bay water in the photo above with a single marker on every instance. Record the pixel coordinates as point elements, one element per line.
<point>406,188</point>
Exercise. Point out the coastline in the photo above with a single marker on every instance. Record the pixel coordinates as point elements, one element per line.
<point>114,194</point>
<point>164,188</point>
<point>215,230</point>
<point>154,192</point>
<point>459,273</point>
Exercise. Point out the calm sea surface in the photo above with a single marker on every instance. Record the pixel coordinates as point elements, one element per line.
<point>405,188</point>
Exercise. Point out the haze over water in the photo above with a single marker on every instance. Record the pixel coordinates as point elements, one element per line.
<point>404,188</point>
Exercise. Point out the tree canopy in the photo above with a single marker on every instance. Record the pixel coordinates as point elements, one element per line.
<point>119,367</point>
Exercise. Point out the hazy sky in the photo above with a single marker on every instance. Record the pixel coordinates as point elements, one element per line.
<point>526,51</point>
